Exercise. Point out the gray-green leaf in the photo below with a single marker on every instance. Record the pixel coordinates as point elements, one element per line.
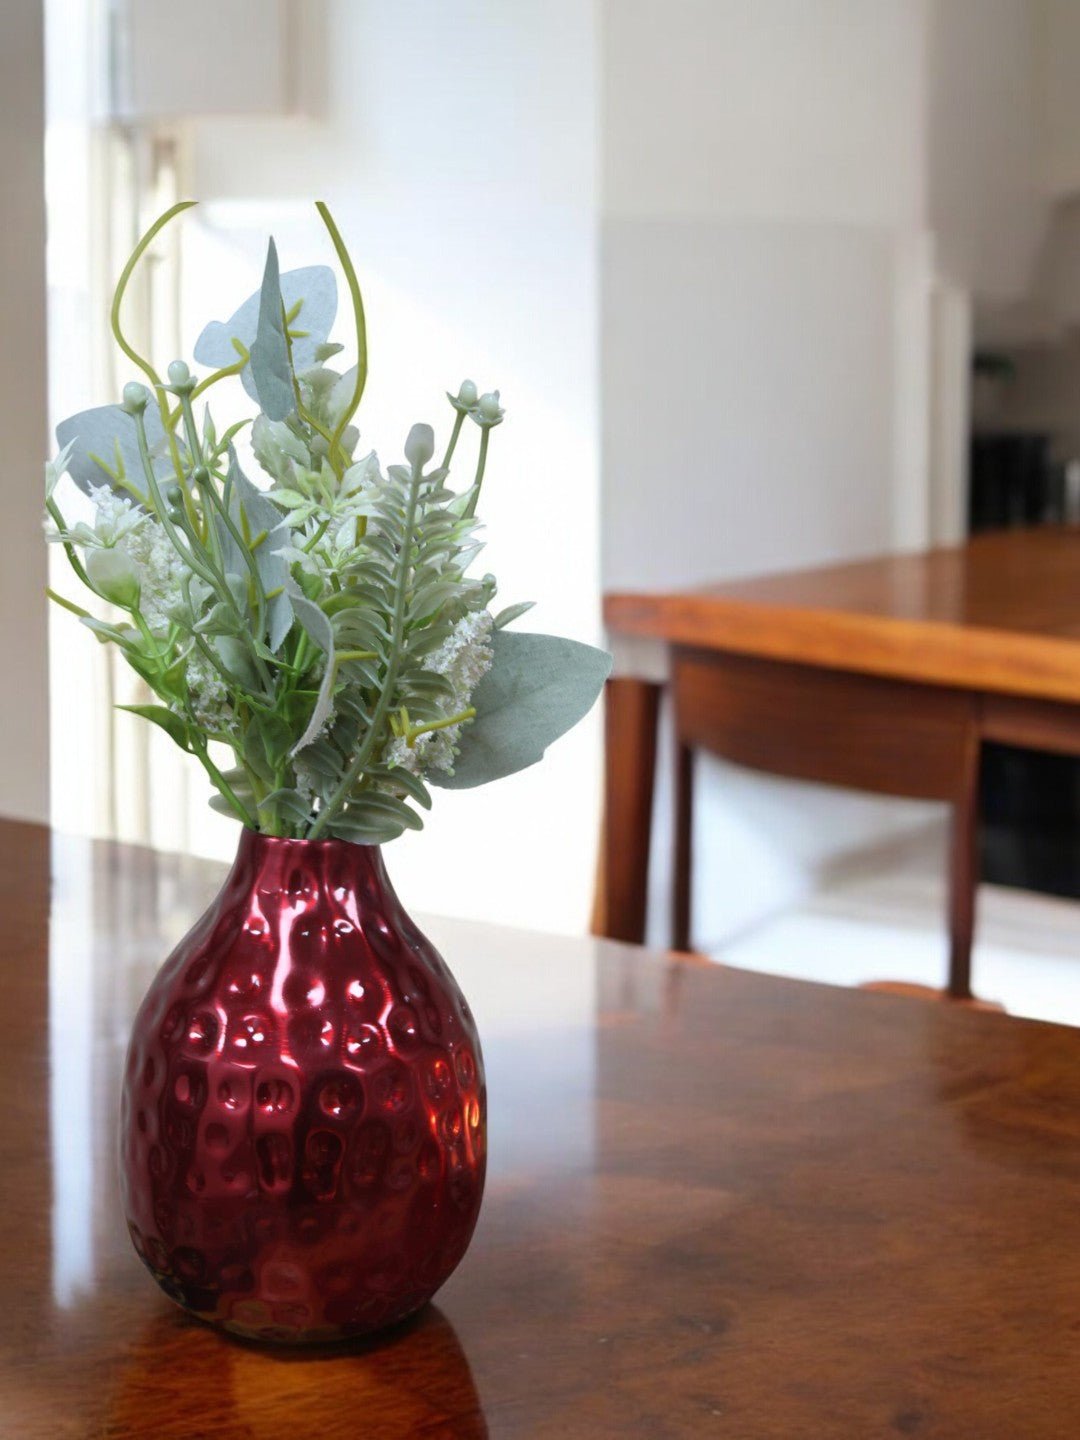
<point>104,444</point>
<point>538,687</point>
<point>175,726</point>
<point>313,288</point>
<point>512,612</point>
<point>320,630</point>
<point>271,368</point>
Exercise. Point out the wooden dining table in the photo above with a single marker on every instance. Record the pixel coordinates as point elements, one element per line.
<point>718,1203</point>
<point>886,675</point>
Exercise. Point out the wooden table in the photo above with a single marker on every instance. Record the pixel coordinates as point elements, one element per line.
<point>885,675</point>
<point>719,1204</point>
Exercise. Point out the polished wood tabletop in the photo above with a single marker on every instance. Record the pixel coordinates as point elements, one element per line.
<point>718,1204</point>
<point>1000,613</point>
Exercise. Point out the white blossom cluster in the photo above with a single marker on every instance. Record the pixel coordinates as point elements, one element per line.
<point>464,658</point>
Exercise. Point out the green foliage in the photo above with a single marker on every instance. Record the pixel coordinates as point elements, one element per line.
<point>323,628</point>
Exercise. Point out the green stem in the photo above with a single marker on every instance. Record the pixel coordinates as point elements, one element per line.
<point>198,462</point>
<point>458,422</point>
<point>222,374</point>
<point>76,564</point>
<point>481,462</point>
<point>248,558</point>
<point>68,604</point>
<point>187,548</point>
<point>413,732</point>
<point>158,653</point>
<point>319,533</point>
<point>240,810</point>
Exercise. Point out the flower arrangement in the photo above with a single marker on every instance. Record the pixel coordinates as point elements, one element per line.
<point>321,626</point>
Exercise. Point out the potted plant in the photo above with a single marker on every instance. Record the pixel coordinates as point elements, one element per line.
<point>304,1105</point>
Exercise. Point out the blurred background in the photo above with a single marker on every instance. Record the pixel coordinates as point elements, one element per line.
<point>763,285</point>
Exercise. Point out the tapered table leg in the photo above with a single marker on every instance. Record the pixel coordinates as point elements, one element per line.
<point>684,825</point>
<point>631,708</point>
<point>964,873</point>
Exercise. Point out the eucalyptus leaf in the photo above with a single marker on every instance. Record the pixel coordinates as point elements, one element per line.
<point>271,367</point>
<point>313,287</point>
<point>104,444</point>
<point>538,687</point>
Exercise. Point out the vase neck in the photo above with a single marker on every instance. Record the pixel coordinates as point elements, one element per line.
<point>298,867</point>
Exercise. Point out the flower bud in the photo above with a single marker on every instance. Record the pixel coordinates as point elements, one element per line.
<point>136,397</point>
<point>467,394</point>
<point>201,475</point>
<point>420,446</point>
<point>489,406</point>
<point>114,576</point>
<point>180,378</point>
<point>173,495</point>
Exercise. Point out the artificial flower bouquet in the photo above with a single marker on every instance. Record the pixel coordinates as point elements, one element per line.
<point>322,624</point>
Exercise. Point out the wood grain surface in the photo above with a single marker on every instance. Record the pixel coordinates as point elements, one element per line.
<point>1000,614</point>
<point>719,1204</point>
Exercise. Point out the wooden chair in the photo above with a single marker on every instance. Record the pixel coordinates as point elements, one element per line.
<point>914,741</point>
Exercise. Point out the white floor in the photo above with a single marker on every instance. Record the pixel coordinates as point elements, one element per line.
<point>885,920</point>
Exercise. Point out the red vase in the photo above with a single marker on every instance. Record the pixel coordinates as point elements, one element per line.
<point>303,1120</point>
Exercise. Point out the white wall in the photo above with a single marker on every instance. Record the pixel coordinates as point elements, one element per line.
<point>1059,38</point>
<point>987,196</point>
<point>24,753</point>
<point>457,149</point>
<point>748,378</point>
<point>795,110</point>
<point>763,343</point>
<point>759,216</point>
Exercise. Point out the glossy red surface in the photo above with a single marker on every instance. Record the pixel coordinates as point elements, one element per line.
<point>303,1120</point>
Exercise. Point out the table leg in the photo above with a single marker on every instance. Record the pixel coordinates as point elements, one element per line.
<point>631,709</point>
<point>684,829</point>
<point>964,873</point>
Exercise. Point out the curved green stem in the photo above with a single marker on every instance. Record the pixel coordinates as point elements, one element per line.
<point>68,604</point>
<point>122,284</point>
<point>361,324</point>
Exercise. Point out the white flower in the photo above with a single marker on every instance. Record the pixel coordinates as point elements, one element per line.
<point>116,516</point>
<point>464,658</point>
<point>207,696</point>
<point>465,655</point>
<point>162,569</point>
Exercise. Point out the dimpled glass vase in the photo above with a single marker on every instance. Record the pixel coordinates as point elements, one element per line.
<point>303,1118</point>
